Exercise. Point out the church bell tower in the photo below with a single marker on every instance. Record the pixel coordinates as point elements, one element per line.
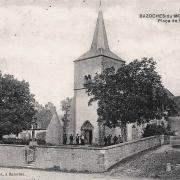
<point>93,61</point>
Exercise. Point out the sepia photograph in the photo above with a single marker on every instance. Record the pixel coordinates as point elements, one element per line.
<point>89,89</point>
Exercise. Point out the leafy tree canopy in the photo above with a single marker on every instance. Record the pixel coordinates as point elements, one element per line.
<point>133,93</point>
<point>43,115</point>
<point>16,105</point>
<point>66,104</point>
<point>65,107</point>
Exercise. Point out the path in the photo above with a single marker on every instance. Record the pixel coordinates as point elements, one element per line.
<point>29,174</point>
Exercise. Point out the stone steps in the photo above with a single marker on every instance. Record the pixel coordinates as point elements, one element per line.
<point>31,164</point>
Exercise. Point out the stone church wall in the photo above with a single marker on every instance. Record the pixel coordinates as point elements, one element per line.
<point>108,62</point>
<point>85,112</point>
<point>113,131</point>
<point>84,67</point>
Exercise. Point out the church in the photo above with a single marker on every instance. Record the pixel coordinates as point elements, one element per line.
<point>95,60</point>
<point>82,118</point>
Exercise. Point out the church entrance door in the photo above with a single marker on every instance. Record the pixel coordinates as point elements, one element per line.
<point>87,131</point>
<point>88,136</point>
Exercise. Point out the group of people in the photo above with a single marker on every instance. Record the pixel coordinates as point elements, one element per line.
<point>108,140</point>
<point>79,139</point>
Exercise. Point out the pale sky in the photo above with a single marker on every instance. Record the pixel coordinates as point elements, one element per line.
<point>40,39</point>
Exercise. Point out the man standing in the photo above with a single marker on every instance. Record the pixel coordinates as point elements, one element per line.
<point>120,139</point>
<point>105,140</point>
<point>77,139</point>
<point>109,140</point>
<point>64,139</point>
<point>82,139</point>
<point>71,139</point>
<point>115,139</point>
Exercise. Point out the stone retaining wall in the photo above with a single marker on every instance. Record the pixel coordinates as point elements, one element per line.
<point>76,159</point>
<point>12,155</point>
<point>175,140</point>
<point>91,159</point>
<point>116,153</point>
<point>68,159</point>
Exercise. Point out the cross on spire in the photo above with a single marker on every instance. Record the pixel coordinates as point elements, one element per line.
<point>100,5</point>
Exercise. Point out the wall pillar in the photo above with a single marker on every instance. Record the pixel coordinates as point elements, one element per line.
<point>101,133</point>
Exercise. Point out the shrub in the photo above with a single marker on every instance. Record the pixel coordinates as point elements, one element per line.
<point>41,135</point>
<point>21,141</point>
<point>41,141</point>
<point>153,129</point>
<point>15,141</point>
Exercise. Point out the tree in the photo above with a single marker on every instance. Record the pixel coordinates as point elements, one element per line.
<point>133,93</point>
<point>65,107</point>
<point>16,105</point>
<point>43,115</point>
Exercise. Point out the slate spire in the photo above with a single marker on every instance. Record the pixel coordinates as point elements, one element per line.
<point>100,37</point>
<point>99,46</point>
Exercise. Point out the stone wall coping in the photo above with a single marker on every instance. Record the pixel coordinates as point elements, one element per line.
<point>70,147</point>
<point>174,118</point>
<point>130,142</point>
<point>13,145</point>
<point>84,147</point>
<point>97,148</point>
